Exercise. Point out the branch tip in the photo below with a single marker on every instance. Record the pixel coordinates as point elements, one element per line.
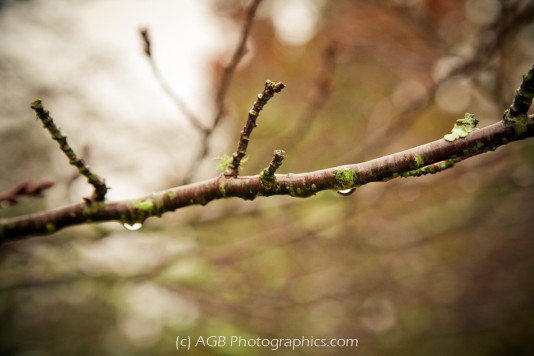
<point>276,162</point>
<point>268,92</point>
<point>522,100</point>
<point>25,188</point>
<point>145,37</point>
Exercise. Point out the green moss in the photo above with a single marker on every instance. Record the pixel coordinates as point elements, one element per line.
<point>431,169</point>
<point>222,189</point>
<point>345,178</point>
<point>92,207</point>
<point>266,182</point>
<point>520,123</point>
<point>50,228</point>
<point>393,176</point>
<point>145,205</point>
<point>462,128</point>
<point>417,162</point>
<point>224,162</point>
<point>171,195</point>
<point>142,209</point>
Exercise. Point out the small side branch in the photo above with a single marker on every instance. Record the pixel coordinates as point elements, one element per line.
<point>523,96</point>
<point>266,176</point>
<point>236,58</point>
<point>276,162</point>
<point>100,188</point>
<point>270,89</point>
<point>516,117</point>
<point>222,88</point>
<point>180,104</point>
<point>26,188</point>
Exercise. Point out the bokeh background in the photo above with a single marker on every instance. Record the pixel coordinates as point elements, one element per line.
<point>439,264</point>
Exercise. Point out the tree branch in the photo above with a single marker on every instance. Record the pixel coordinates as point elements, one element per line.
<point>180,104</point>
<point>428,158</point>
<point>26,188</point>
<point>465,141</point>
<point>100,188</point>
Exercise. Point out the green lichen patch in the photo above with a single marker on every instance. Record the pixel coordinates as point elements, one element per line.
<point>226,160</point>
<point>267,182</point>
<point>91,208</point>
<point>222,188</point>
<point>430,169</point>
<point>345,178</point>
<point>50,228</point>
<point>417,162</point>
<point>142,209</point>
<point>302,190</point>
<point>146,205</point>
<point>462,128</point>
<point>519,123</point>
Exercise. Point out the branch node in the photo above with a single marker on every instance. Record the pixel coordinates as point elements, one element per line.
<point>100,188</point>
<point>270,89</point>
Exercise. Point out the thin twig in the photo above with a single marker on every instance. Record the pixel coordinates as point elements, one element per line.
<point>222,90</point>
<point>270,89</point>
<point>266,176</point>
<point>523,96</point>
<point>100,188</point>
<point>320,93</point>
<point>180,104</point>
<point>26,188</point>
<point>232,65</point>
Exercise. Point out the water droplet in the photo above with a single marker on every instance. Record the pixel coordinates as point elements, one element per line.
<point>132,227</point>
<point>346,192</point>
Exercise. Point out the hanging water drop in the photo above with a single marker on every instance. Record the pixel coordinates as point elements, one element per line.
<point>132,227</point>
<point>346,192</point>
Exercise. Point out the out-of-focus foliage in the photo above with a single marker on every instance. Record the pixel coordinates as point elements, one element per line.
<point>418,266</point>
